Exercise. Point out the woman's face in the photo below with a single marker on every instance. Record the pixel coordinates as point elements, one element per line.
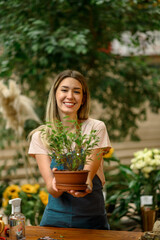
<point>69,97</point>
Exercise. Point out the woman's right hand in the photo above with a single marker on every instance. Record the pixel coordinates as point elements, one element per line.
<point>54,181</point>
<point>57,192</point>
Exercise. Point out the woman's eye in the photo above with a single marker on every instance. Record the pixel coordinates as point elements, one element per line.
<point>77,92</point>
<point>64,90</point>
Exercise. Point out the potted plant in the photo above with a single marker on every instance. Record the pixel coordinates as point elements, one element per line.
<point>69,151</point>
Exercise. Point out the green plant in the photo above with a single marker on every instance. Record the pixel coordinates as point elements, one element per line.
<point>34,200</point>
<point>124,197</point>
<point>70,149</point>
<point>3,186</point>
<point>16,109</point>
<point>126,186</point>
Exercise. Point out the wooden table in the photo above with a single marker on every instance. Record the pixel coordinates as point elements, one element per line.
<point>34,232</point>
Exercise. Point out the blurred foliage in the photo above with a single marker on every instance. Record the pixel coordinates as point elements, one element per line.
<point>41,38</point>
<point>2,188</point>
<point>123,196</point>
<point>125,186</point>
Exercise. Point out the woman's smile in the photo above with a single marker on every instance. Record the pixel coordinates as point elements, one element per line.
<point>69,104</point>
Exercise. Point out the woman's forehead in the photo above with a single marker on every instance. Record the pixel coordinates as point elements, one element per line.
<point>70,82</point>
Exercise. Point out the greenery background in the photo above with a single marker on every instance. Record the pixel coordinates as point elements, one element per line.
<point>41,38</point>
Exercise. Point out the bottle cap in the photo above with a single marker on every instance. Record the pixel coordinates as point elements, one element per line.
<point>16,203</point>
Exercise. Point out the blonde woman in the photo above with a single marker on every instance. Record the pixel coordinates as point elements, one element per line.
<point>69,96</point>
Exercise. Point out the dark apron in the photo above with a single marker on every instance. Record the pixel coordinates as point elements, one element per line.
<point>71,212</point>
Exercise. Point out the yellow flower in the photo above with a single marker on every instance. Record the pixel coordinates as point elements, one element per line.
<point>44,197</point>
<point>11,192</point>
<point>5,194</point>
<point>28,188</point>
<point>5,203</point>
<point>109,154</point>
<point>15,195</point>
<point>37,186</point>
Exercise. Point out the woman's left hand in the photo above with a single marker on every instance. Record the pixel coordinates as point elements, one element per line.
<point>78,194</point>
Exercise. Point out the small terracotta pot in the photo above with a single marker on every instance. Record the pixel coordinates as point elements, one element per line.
<point>71,180</point>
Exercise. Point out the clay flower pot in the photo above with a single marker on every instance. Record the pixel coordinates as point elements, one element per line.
<point>71,180</point>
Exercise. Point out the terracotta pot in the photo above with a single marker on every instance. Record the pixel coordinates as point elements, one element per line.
<point>71,180</point>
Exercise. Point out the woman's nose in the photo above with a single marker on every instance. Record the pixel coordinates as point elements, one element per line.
<point>70,94</point>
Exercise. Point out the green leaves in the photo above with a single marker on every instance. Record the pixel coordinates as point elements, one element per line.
<point>69,149</point>
<point>41,38</point>
<point>125,187</point>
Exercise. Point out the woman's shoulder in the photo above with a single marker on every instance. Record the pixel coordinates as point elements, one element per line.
<point>93,124</point>
<point>36,133</point>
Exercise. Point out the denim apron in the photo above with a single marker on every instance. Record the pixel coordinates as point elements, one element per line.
<point>71,212</point>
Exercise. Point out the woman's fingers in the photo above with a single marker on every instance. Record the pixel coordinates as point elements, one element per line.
<point>54,184</point>
<point>80,193</point>
<point>54,169</point>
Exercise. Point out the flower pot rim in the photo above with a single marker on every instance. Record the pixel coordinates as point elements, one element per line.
<point>69,171</point>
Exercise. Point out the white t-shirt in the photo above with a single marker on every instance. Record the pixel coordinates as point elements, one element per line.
<point>37,147</point>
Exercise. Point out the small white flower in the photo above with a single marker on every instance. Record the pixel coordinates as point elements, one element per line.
<point>146,161</point>
<point>147,169</point>
<point>134,160</point>
<point>148,154</point>
<point>152,163</point>
<point>156,151</point>
<point>157,157</point>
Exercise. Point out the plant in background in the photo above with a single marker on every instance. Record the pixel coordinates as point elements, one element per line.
<point>16,109</point>
<point>2,188</point>
<point>69,149</point>
<point>34,200</point>
<point>146,163</point>
<point>123,195</point>
<point>113,184</point>
<point>128,183</point>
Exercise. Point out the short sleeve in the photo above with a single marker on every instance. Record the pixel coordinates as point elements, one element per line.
<point>104,141</point>
<point>36,146</point>
<point>101,131</point>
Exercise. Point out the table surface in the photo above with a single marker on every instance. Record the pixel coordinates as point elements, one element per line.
<point>35,232</point>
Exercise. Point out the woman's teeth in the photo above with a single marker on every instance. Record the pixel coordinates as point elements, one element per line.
<point>70,104</point>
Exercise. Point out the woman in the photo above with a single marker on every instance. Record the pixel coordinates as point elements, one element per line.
<point>69,96</point>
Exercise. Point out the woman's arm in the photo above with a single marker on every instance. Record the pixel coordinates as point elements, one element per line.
<point>43,162</point>
<point>92,164</point>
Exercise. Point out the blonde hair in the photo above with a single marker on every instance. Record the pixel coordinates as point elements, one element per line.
<point>52,110</point>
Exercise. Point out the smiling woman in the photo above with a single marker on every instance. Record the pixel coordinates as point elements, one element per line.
<point>69,102</point>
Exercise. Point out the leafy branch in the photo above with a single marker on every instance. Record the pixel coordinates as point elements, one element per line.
<point>69,148</point>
